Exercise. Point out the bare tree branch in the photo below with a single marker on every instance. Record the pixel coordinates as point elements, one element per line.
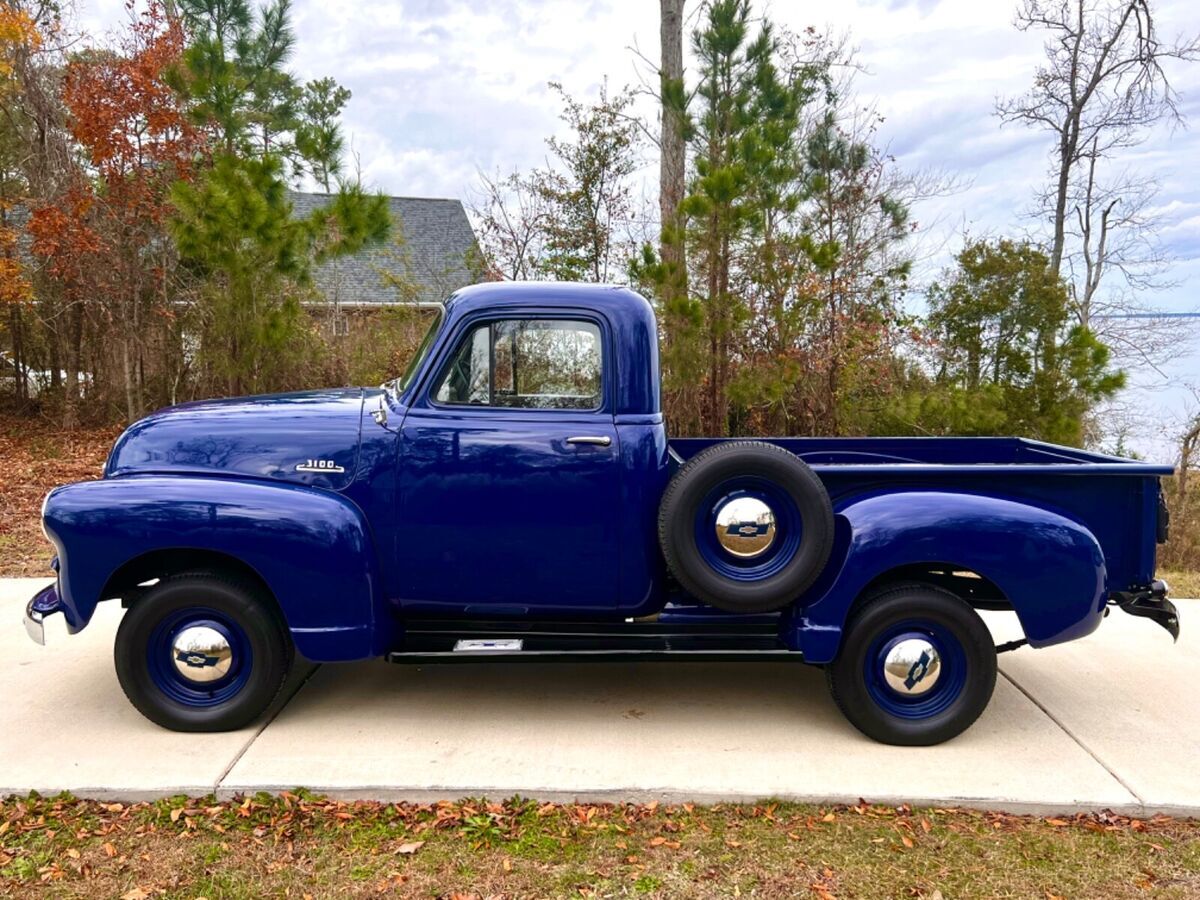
<point>1101,89</point>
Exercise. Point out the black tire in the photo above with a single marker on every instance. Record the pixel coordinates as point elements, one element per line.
<point>714,577</point>
<point>259,664</point>
<point>966,672</point>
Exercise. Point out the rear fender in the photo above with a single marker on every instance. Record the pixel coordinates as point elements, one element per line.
<point>1050,568</point>
<point>312,549</point>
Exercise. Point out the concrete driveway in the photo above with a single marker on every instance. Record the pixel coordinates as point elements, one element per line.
<point>1111,721</point>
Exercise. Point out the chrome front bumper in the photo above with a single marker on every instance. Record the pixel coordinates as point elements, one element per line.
<point>44,603</point>
<point>34,627</point>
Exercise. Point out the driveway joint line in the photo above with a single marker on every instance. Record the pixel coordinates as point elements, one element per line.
<point>237,758</point>
<point>1067,731</point>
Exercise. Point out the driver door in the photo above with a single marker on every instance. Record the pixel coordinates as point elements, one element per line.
<point>510,475</point>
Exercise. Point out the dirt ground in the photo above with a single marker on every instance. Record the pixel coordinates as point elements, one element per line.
<point>35,457</point>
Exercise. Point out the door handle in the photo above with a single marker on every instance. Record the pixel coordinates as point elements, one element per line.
<point>601,441</point>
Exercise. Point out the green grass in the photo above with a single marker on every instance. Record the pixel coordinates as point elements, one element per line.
<point>297,845</point>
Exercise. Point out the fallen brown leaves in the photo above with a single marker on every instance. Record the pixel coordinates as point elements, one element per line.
<point>302,844</point>
<point>37,457</point>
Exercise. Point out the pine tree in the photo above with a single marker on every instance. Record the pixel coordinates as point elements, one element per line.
<point>235,225</point>
<point>319,141</point>
<point>1007,358</point>
<point>745,164</point>
<point>234,72</point>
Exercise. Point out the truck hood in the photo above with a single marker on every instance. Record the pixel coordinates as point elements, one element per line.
<point>307,438</point>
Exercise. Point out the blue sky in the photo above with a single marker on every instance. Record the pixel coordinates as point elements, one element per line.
<point>446,88</point>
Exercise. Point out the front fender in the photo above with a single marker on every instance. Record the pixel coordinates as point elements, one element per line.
<point>312,548</point>
<point>1049,567</point>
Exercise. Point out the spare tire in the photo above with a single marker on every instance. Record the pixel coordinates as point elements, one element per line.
<point>745,526</point>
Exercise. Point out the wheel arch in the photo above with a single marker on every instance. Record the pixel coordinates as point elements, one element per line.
<point>311,550</point>
<point>127,582</point>
<point>976,589</point>
<point>1046,567</point>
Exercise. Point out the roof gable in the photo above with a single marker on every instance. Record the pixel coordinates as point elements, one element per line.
<point>431,252</point>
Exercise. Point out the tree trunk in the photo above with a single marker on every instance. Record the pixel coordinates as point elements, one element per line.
<point>128,365</point>
<point>721,413</point>
<point>1066,153</point>
<point>20,382</point>
<point>74,348</point>
<point>54,322</point>
<point>673,159</point>
<point>127,372</point>
<point>714,328</point>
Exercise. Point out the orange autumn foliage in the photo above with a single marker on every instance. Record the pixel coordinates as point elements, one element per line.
<point>137,139</point>
<point>123,113</point>
<point>17,29</point>
<point>63,237</point>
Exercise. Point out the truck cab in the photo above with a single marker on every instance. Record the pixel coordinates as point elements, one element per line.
<point>514,496</point>
<point>528,441</point>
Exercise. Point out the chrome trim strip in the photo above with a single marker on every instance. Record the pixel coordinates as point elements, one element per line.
<point>489,645</point>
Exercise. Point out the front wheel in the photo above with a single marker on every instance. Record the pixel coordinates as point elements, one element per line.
<point>917,666</point>
<point>199,652</point>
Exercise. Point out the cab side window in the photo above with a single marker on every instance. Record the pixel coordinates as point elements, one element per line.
<point>526,364</point>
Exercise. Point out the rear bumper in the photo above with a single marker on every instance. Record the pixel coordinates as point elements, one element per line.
<point>1151,603</point>
<point>44,603</point>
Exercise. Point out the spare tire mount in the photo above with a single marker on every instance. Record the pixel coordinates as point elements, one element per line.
<point>746,526</point>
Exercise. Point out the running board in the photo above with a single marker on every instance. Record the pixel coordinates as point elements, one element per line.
<point>450,642</point>
<point>419,657</point>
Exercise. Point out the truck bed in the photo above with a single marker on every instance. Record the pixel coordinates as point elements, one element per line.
<point>942,454</point>
<point>1114,498</point>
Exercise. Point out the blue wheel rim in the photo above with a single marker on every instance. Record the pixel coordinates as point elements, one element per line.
<point>165,674</point>
<point>789,529</point>
<point>952,671</point>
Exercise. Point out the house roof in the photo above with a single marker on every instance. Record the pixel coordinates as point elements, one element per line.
<point>431,252</point>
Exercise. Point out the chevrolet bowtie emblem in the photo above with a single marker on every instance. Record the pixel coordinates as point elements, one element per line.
<point>197,660</point>
<point>747,529</point>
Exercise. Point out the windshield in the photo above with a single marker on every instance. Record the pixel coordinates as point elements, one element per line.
<point>399,385</point>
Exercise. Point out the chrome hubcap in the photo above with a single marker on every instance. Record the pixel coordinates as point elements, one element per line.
<point>912,666</point>
<point>202,654</point>
<point>746,527</point>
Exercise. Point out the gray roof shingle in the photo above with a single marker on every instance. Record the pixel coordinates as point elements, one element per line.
<point>432,251</point>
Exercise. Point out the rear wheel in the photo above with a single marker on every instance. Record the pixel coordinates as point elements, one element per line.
<point>199,652</point>
<point>917,666</point>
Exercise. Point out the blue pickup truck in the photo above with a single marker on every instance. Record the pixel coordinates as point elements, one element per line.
<point>514,496</point>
